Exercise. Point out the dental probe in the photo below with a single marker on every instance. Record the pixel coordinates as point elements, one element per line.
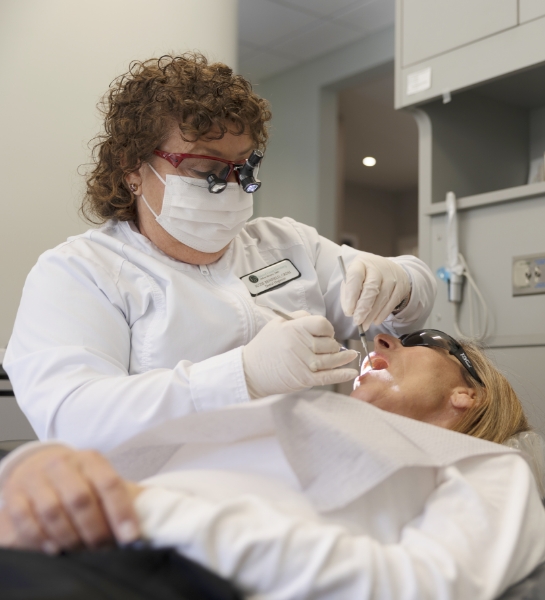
<point>360,328</point>
<point>288,318</point>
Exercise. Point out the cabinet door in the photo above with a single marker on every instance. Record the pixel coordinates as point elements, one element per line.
<point>431,27</point>
<point>531,9</point>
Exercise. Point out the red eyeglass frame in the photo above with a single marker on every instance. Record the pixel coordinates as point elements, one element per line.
<point>175,159</point>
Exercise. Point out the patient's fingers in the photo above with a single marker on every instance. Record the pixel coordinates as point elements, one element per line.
<point>80,503</point>
<point>29,533</point>
<point>113,495</point>
<point>8,534</point>
<point>59,498</point>
<point>51,513</point>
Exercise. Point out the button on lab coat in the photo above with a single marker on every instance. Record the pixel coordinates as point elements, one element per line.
<point>113,336</point>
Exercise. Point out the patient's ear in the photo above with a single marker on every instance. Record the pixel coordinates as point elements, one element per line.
<point>463,398</point>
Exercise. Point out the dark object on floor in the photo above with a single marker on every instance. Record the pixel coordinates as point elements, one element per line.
<point>108,574</point>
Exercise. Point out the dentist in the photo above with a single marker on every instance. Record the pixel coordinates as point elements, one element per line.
<point>166,308</point>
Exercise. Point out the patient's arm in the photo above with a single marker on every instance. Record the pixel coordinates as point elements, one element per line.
<point>57,498</point>
<point>482,529</point>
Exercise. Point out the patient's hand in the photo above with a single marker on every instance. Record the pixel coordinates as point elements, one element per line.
<point>61,498</point>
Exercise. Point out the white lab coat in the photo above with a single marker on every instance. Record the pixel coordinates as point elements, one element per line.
<point>113,336</point>
<point>326,497</point>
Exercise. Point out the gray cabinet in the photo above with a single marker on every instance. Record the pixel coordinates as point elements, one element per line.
<point>531,9</point>
<point>445,46</point>
<point>432,27</point>
<point>480,108</point>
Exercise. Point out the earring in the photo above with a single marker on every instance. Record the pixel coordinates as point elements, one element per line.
<point>133,187</point>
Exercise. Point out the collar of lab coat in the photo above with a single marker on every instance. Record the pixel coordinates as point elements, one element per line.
<point>331,442</point>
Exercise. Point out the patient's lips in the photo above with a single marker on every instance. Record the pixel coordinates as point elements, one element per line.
<point>379,364</point>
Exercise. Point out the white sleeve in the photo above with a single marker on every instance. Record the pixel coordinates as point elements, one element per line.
<point>481,530</point>
<point>68,360</point>
<point>324,252</point>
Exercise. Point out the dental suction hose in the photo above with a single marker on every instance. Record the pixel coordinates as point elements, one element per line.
<point>455,288</point>
<point>455,267</point>
<point>458,273</point>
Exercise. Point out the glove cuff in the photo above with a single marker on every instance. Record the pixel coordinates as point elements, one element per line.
<point>254,395</point>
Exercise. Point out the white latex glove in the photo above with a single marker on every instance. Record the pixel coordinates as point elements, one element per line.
<point>286,356</point>
<point>374,287</point>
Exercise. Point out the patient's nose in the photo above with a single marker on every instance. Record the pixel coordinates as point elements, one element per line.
<point>383,341</point>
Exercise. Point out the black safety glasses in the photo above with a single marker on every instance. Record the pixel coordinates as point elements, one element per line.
<point>439,339</point>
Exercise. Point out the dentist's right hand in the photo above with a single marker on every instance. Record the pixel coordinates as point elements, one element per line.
<point>287,356</point>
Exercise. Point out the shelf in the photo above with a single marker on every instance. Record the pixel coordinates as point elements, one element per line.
<point>521,192</point>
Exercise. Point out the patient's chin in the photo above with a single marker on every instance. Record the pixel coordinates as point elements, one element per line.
<point>359,390</point>
<point>372,384</point>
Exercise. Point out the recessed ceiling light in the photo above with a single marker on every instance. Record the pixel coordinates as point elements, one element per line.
<point>369,161</point>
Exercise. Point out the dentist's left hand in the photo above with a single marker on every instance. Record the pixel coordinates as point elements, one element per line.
<point>374,287</point>
<point>59,498</point>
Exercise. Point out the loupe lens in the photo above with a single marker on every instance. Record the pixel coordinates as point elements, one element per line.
<point>251,186</point>
<point>216,185</point>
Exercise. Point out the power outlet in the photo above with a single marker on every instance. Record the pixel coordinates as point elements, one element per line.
<point>529,274</point>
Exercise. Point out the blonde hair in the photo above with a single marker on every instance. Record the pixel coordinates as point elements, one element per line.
<point>497,414</point>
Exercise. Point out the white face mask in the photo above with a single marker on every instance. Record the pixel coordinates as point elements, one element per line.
<point>201,220</point>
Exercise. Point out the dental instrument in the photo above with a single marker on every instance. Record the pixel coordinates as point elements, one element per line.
<point>360,328</point>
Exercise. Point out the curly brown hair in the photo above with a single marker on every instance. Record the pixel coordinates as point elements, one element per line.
<point>141,107</point>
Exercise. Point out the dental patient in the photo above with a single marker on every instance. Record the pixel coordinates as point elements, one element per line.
<point>398,492</point>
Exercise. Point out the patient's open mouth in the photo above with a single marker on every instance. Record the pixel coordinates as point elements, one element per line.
<point>378,363</point>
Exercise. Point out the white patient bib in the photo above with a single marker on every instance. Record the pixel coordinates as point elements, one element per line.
<point>331,442</point>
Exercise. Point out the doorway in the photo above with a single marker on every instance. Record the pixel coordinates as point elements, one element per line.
<point>377,204</point>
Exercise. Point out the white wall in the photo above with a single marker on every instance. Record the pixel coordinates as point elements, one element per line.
<point>57,57</point>
<point>299,171</point>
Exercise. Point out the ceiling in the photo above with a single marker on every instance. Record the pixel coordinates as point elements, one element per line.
<point>371,127</point>
<point>275,35</point>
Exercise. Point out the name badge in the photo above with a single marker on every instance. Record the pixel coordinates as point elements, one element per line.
<point>271,277</point>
